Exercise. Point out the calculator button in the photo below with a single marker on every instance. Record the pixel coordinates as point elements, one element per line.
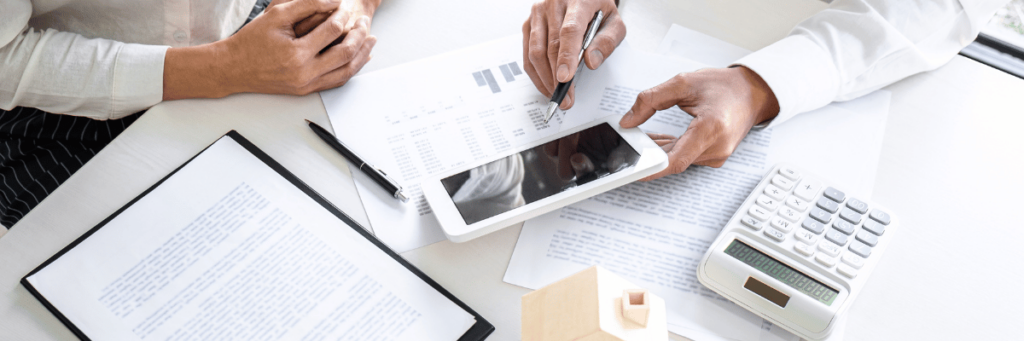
<point>782,224</point>
<point>857,205</point>
<point>820,215</point>
<point>813,226</point>
<point>768,203</point>
<point>829,248</point>
<point>846,270</point>
<point>835,194</point>
<point>789,213</point>
<point>836,237</point>
<point>807,189</point>
<point>880,217</point>
<point>774,234</point>
<point>774,192</point>
<point>867,238</point>
<point>843,226</point>
<point>850,216</point>
<point>806,237</point>
<point>871,226</point>
<point>797,204</point>
<point>827,261</point>
<point>804,249</point>
<point>782,182</point>
<point>860,249</point>
<point>789,173</point>
<point>853,260</point>
<point>759,212</point>
<point>752,223</point>
<point>827,205</point>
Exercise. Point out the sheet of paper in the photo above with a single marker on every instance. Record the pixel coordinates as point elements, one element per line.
<point>655,233</point>
<point>226,248</point>
<point>437,114</point>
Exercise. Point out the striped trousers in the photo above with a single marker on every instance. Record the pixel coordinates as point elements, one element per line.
<point>40,150</point>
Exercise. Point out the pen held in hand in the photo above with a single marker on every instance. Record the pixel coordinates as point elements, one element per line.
<point>563,88</point>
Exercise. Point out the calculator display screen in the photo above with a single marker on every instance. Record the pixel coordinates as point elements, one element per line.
<point>782,272</point>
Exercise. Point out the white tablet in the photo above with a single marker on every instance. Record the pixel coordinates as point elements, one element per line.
<point>579,163</point>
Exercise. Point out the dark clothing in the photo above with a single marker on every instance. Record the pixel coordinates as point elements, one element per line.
<point>40,150</point>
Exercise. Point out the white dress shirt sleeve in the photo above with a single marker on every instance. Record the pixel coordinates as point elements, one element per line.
<point>858,46</point>
<point>66,73</point>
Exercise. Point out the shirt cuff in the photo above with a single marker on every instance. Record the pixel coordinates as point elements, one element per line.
<point>138,81</point>
<point>799,72</point>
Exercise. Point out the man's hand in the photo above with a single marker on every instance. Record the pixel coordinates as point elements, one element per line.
<point>267,56</point>
<point>553,36</point>
<point>724,103</point>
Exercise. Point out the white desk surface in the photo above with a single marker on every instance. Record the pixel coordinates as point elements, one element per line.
<point>951,167</point>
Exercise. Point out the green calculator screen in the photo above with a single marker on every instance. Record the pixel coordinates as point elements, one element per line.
<point>781,272</point>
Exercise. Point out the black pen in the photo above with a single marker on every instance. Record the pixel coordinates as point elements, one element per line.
<point>563,88</point>
<point>377,175</point>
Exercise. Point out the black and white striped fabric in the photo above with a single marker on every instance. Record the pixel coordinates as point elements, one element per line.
<point>40,150</point>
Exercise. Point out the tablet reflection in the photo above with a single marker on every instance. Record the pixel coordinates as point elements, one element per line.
<point>539,172</point>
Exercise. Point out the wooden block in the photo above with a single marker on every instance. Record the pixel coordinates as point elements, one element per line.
<point>636,306</point>
<point>593,304</point>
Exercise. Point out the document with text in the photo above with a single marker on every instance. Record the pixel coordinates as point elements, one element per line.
<point>227,248</point>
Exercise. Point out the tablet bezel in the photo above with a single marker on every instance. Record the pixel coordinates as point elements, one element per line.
<point>652,160</point>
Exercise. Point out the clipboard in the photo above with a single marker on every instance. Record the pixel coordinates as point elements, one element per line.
<point>479,331</point>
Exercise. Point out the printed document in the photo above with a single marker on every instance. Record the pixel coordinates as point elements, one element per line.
<point>226,248</point>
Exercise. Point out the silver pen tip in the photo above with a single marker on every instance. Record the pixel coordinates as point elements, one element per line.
<point>400,195</point>
<point>552,107</point>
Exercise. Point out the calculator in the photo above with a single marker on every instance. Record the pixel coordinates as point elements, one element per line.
<point>798,251</point>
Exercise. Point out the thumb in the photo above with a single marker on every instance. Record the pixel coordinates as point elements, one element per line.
<point>294,11</point>
<point>660,97</point>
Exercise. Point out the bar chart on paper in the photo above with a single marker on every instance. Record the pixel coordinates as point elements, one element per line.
<point>509,73</point>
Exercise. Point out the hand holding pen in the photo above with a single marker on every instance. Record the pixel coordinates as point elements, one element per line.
<point>553,37</point>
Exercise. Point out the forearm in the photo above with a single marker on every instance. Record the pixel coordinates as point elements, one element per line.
<point>202,71</point>
<point>63,72</point>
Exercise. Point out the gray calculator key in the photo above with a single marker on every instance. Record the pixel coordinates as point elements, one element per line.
<point>880,217</point>
<point>836,237</point>
<point>820,215</point>
<point>828,205</point>
<point>874,227</point>
<point>843,226</point>
<point>850,216</point>
<point>857,205</point>
<point>860,249</point>
<point>867,238</point>
<point>813,226</point>
<point>835,194</point>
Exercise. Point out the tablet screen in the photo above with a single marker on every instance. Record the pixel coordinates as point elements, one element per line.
<point>539,172</point>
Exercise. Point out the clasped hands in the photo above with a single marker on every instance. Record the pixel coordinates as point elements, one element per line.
<point>295,47</point>
<point>725,102</point>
